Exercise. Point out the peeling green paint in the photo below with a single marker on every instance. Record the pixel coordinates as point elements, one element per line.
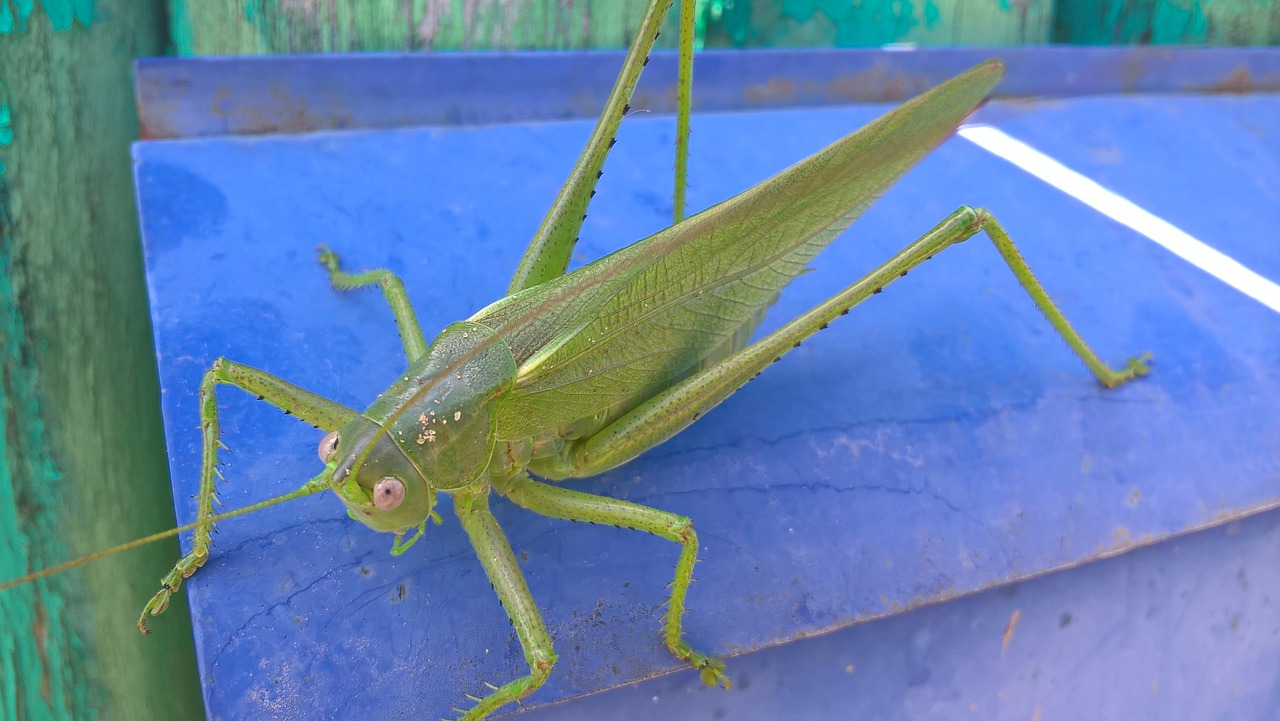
<point>868,23</point>
<point>181,37</point>
<point>1173,24</point>
<point>871,23</point>
<point>6,128</point>
<point>61,13</point>
<point>72,312</point>
<point>932,14</point>
<point>35,637</point>
<point>6,138</point>
<point>1160,22</point>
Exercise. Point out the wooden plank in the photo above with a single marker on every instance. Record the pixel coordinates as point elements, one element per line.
<point>82,459</point>
<point>235,27</point>
<point>231,27</point>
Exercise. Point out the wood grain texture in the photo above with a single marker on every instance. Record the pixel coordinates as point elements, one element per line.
<point>226,27</point>
<point>217,27</point>
<point>82,459</point>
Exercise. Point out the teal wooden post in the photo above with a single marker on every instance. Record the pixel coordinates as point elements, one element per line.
<point>82,460</point>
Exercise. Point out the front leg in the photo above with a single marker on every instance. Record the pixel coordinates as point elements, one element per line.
<point>499,563</point>
<point>570,505</point>
<point>316,410</point>
<point>415,344</point>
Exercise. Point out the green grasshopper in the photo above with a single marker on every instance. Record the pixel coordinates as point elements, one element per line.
<point>647,339</point>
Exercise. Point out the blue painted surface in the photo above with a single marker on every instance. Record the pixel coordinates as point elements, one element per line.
<point>1181,631</point>
<point>255,95</point>
<point>935,442</point>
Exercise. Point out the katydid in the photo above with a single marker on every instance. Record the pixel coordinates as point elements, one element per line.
<point>574,374</point>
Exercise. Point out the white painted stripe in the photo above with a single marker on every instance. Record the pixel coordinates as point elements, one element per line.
<point>1178,242</point>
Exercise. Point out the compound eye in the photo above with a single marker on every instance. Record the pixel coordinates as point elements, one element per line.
<point>388,494</point>
<point>328,446</point>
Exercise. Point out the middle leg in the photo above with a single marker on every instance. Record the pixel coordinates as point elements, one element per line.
<point>557,502</point>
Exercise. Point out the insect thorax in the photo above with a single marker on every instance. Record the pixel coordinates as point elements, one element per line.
<point>439,414</point>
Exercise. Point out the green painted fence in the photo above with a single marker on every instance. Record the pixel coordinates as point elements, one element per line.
<point>82,462</point>
<point>206,27</point>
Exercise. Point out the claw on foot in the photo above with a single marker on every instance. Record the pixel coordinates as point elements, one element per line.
<point>327,257</point>
<point>154,607</point>
<point>171,584</point>
<point>710,668</point>
<point>1135,367</point>
<point>1139,366</point>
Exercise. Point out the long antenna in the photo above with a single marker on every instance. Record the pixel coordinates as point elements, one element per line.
<point>315,485</point>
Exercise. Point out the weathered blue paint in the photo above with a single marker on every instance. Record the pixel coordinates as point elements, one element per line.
<point>217,96</point>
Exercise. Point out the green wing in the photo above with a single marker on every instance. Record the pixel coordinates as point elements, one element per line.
<point>622,328</point>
